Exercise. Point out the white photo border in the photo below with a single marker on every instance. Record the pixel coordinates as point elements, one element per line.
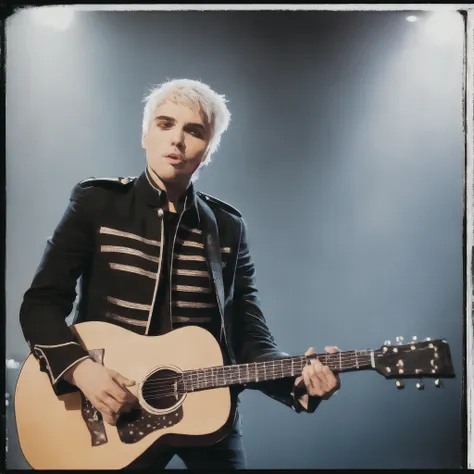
<point>468,110</point>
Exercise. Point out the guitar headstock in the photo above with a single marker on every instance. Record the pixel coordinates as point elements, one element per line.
<point>416,359</point>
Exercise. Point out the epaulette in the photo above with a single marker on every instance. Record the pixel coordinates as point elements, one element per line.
<point>221,204</point>
<point>106,182</point>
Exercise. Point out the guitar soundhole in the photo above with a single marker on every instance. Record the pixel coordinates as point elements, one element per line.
<point>163,389</point>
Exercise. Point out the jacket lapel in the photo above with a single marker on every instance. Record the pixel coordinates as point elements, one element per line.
<point>212,251</point>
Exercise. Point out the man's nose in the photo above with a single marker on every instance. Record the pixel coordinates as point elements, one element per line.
<point>177,138</point>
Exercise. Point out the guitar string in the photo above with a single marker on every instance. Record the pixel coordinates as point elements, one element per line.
<point>200,374</point>
<point>251,370</point>
<point>159,388</point>
<point>164,391</point>
<point>277,363</point>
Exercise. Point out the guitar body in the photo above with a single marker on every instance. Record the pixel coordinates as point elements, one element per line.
<point>62,433</point>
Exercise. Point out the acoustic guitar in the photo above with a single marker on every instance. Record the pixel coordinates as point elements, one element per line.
<point>184,395</point>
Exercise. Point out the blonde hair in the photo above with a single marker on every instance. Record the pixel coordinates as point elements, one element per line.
<point>181,91</point>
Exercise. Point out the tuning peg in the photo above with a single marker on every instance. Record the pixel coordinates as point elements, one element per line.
<point>438,383</point>
<point>427,338</point>
<point>400,384</point>
<point>420,385</point>
<point>414,339</point>
<point>387,343</point>
<point>399,339</point>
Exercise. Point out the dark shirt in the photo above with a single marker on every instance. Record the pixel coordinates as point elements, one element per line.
<point>161,319</point>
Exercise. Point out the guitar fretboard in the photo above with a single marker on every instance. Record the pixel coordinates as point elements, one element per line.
<point>227,375</point>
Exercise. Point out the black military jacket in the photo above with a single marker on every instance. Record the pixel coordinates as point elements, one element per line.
<point>128,210</point>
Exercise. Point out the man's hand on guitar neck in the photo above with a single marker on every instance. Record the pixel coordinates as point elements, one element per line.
<point>317,379</point>
<point>106,389</point>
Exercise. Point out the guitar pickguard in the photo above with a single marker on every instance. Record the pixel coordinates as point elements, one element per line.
<point>90,414</point>
<point>134,426</point>
<point>94,422</point>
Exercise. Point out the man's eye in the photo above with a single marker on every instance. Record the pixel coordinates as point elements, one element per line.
<point>196,133</point>
<point>164,125</point>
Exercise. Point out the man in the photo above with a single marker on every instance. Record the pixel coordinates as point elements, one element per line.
<point>153,255</point>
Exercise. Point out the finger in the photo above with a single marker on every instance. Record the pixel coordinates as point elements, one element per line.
<point>332,349</point>
<point>107,413</point>
<point>309,351</point>
<point>312,382</point>
<point>120,393</point>
<point>123,380</point>
<point>307,380</point>
<point>330,378</point>
<point>318,372</point>
<point>114,405</point>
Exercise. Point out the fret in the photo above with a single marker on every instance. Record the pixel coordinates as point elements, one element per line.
<point>227,375</point>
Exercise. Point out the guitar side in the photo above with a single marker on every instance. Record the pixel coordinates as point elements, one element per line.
<point>54,435</point>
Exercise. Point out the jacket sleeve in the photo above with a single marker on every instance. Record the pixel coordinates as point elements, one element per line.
<point>50,298</point>
<point>254,341</point>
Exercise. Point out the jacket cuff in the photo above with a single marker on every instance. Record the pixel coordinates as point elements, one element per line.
<point>56,360</point>
<point>313,401</point>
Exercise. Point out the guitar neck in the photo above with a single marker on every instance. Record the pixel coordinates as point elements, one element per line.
<point>227,375</point>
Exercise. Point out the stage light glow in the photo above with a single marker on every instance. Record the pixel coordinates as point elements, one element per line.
<point>59,17</point>
<point>444,27</point>
<point>12,364</point>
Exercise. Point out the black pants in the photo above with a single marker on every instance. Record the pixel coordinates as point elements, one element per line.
<point>229,453</point>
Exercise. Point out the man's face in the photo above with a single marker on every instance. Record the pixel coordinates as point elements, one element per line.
<point>176,141</point>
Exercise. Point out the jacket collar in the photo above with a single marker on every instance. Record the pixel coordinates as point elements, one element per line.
<point>155,197</point>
